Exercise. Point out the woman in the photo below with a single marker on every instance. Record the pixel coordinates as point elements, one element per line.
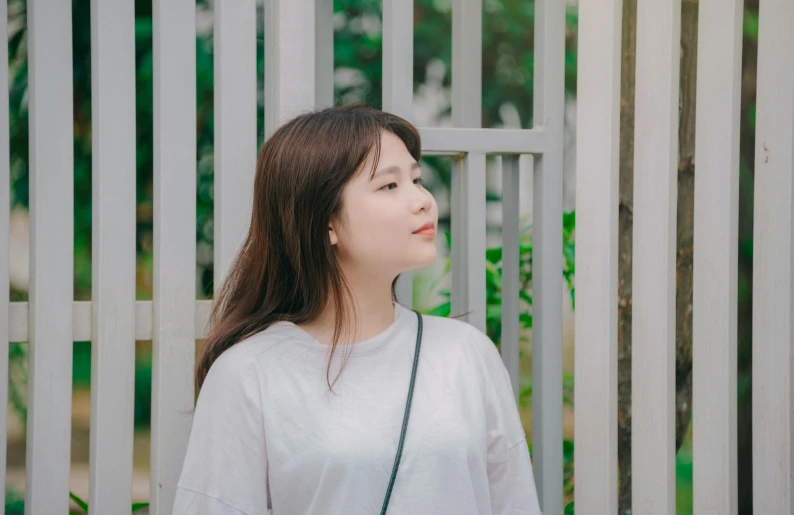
<point>304,377</point>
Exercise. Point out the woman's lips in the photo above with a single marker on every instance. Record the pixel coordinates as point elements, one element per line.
<point>427,230</point>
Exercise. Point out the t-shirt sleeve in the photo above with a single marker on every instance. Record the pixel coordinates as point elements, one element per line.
<point>511,484</point>
<point>510,477</point>
<point>225,468</point>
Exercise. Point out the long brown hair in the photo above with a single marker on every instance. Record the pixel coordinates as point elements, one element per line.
<point>286,269</point>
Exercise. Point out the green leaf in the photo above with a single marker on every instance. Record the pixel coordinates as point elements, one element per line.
<point>750,27</point>
<point>81,503</point>
<point>494,255</point>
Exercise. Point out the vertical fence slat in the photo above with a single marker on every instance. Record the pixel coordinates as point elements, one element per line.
<point>654,257</point>
<point>113,255</point>
<point>468,185</point>
<point>324,52</point>
<point>457,302</point>
<point>549,105</point>
<point>473,236</point>
<point>467,63</point>
<point>51,257</point>
<point>289,61</point>
<point>398,57</point>
<point>773,293</point>
<point>174,296</point>
<point>511,281</point>
<point>715,257</point>
<point>398,84</point>
<point>5,239</point>
<point>597,159</point>
<point>235,128</point>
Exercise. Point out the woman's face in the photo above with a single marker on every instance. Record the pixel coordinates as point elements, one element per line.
<point>379,227</point>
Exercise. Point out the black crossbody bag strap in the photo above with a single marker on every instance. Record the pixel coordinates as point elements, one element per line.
<point>405,417</point>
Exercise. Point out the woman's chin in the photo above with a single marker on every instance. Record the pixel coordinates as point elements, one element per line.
<point>423,261</point>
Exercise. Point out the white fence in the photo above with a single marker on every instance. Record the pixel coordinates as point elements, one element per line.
<point>298,76</point>
<point>715,258</point>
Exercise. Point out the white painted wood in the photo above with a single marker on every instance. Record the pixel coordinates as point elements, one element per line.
<point>398,57</point>
<point>547,287</point>
<point>113,255</point>
<point>289,61</point>
<point>235,128</point>
<point>324,51</point>
<point>597,160</point>
<point>473,237</point>
<point>773,284</point>
<point>5,242</point>
<point>174,295</point>
<point>467,63</point>
<point>51,257</point>
<point>81,320</point>
<point>654,257</point>
<point>457,300</point>
<point>715,257</point>
<point>468,184</point>
<point>398,85</point>
<point>511,280</point>
<point>457,140</point>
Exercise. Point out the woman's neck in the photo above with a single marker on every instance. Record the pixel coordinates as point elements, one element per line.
<point>371,306</point>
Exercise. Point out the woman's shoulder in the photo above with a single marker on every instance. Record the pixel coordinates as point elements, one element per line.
<point>463,337</point>
<point>251,352</point>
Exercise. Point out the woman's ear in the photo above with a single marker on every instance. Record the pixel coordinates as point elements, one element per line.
<point>332,235</point>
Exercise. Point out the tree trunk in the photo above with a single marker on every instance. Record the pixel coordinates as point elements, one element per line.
<point>625,223</point>
<point>686,182</point>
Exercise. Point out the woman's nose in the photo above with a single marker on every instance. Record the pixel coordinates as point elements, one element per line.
<point>422,200</point>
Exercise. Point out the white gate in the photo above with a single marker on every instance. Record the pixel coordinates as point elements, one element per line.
<point>298,77</point>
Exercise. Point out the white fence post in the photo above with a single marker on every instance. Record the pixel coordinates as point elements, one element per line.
<point>773,283</point>
<point>51,257</point>
<point>654,257</point>
<point>597,161</point>
<point>548,115</point>
<point>468,179</point>
<point>235,128</point>
<point>289,61</point>
<point>511,277</point>
<point>324,53</point>
<point>715,257</point>
<point>113,255</point>
<point>174,295</point>
<point>398,84</point>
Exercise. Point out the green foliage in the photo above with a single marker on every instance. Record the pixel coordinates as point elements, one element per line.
<point>84,505</point>
<point>17,380</point>
<point>15,502</point>
<point>493,278</point>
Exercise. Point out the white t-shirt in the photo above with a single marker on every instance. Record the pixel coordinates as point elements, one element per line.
<point>268,437</point>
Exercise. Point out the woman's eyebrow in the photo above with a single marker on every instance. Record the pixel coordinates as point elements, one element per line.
<point>392,169</point>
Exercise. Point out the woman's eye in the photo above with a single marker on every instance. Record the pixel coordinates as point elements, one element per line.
<point>393,185</point>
